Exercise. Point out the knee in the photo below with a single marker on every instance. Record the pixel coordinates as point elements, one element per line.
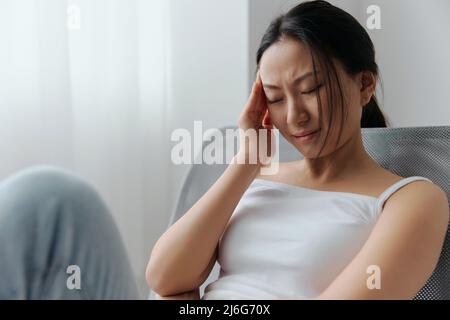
<point>36,187</point>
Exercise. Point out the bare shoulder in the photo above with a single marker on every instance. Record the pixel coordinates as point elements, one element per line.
<point>420,191</point>
<point>420,200</point>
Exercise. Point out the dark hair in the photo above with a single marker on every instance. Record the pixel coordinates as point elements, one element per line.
<point>329,32</point>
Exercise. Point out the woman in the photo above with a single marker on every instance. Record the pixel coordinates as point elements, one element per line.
<point>320,227</point>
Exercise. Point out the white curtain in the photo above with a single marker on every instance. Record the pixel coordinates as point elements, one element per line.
<point>82,86</point>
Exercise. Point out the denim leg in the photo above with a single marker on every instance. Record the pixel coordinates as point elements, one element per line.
<point>50,220</point>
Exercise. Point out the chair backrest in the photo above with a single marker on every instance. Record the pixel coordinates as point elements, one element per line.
<point>413,151</point>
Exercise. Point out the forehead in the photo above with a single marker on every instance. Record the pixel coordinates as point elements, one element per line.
<point>287,59</point>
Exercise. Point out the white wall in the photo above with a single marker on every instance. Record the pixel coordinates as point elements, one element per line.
<point>208,74</point>
<point>413,53</point>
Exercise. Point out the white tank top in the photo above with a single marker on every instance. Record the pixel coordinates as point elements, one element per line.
<point>284,241</point>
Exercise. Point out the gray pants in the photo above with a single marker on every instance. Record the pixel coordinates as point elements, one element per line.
<point>58,240</point>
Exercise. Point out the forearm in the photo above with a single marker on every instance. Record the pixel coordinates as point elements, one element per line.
<point>191,295</point>
<point>184,251</point>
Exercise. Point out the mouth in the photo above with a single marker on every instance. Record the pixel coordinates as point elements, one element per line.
<point>307,136</point>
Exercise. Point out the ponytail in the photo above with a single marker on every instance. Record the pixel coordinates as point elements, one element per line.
<point>372,117</point>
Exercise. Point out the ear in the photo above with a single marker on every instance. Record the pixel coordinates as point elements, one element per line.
<point>267,122</point>
<point>368,82</point>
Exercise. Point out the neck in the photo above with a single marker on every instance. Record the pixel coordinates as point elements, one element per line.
<point>348,159</point>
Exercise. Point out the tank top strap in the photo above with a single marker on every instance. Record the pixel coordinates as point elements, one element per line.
<point>389,191</point>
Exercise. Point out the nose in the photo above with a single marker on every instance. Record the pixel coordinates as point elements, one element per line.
<point>296,114</point>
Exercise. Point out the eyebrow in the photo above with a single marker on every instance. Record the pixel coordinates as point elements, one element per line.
<point>296,81</point>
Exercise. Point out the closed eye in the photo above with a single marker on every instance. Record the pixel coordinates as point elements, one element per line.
<point>273,102</point>
<point>306,92</point>
<point>313,90</point>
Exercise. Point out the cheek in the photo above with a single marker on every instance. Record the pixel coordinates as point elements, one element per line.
<point>278,119</point>
<point>341,111</point>
<point>322,109</point>
<point>277,116</point>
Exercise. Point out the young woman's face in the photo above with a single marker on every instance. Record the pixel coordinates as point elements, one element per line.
<point>293,105</point>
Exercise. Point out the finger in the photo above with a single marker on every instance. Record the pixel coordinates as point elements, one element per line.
<point>257,100</point>
<point>260,85</point>
<point>257,93</point>
<point>253,87</point>
<point>262,99</point>
<point>253,99</point>
<point>267,122</point>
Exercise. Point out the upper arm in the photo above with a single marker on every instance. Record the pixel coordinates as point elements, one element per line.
<point>405,245</point>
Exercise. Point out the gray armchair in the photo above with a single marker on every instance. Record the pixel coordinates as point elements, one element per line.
<point>414,151</point>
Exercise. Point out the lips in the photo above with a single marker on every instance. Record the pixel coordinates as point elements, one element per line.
<point>305,133</point>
